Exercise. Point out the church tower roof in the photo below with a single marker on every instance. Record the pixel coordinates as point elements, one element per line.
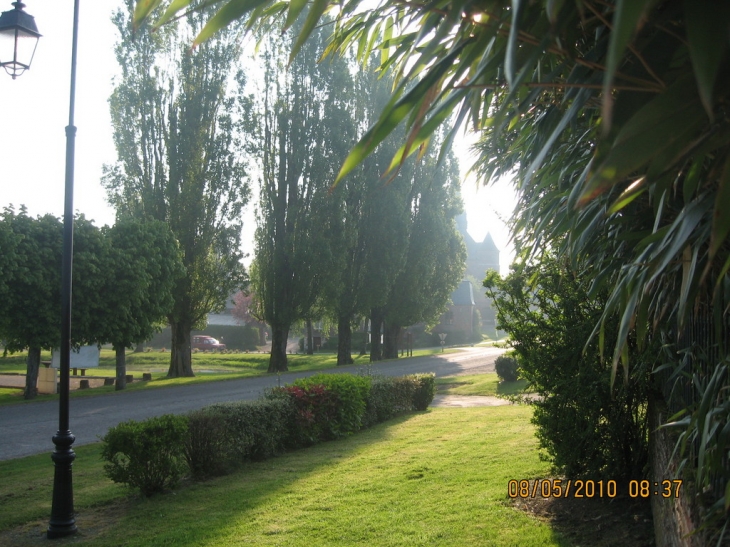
<point>488,243</point>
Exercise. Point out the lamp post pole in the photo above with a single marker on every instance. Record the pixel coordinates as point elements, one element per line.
<point>63,521</point>
<point>18,39</point>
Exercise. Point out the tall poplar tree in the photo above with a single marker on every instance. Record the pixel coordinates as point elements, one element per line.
<point>306,133</point>
<point>373,220</point>
<point>177,131</point>
<point>436,253</point>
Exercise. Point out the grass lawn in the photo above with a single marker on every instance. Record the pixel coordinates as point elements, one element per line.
<point>479,384</point>
<point>206,366</point>
<point>433,478</point>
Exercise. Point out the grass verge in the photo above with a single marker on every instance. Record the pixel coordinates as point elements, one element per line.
<point>479,384</point>
<point>433,478</point>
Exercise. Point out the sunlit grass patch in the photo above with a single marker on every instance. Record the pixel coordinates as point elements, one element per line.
<point>432,478</point>
<point>479,384</point>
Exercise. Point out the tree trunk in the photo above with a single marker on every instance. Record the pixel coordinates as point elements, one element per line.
<point>181,359</point>
<point>121,363</point>
<point>344,341</point>
<point>310,338</point>
<point>392,332</point>
<point>277,360</point>
<point>364,348</point>
<point>33,363</point>
<point>376,324</point>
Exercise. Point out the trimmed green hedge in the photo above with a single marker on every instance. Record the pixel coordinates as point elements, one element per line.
<point>222,436</point>
<point>352,394</point>
<point>154,454</point>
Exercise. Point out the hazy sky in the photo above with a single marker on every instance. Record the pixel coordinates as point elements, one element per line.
<point>35,113</point>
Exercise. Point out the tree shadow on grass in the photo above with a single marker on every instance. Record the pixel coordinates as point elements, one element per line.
<point>125,520</point>
<point>617,522</point>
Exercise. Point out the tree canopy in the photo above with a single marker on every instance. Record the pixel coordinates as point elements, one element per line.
<point>142,267</point>
<point>119,295</point>
<point>177,117</point>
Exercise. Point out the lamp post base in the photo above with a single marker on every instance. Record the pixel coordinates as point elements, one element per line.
<point>63,518</point>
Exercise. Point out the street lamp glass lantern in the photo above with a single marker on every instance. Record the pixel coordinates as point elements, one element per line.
<point>18,40</point>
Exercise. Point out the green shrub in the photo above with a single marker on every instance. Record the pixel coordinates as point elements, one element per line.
<point>425,389</point>
<point>587,427</point>
<point>388,397</point>
<point>259,427</point>
<point>507,368</point>
<point>313,416</point>
<point>148,455</point>
<point>208,447</point>
<point>222,436</point>
<point>352,392</point>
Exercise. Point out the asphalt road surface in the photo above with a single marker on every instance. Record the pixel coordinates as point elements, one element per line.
<point>26,429</point>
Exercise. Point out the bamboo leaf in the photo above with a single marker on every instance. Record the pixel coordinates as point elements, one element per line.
<point>142,11</point>
<point>642,321</point>
<point>678,235</point>
<point>668,122</point>
<point>692,180</point>
<point>707,24</point>
<point>387,35</point>
<point>553,9</point>
<point>510,60</point>
<point>628,195</point>
<point>315,13</point>
<point>626,18</point>
<point>295,8</point>
<point>720,216</point>
<point>689,266</point>
<point>172,10</point>
<point>394,113</point>
<point>232,11</point>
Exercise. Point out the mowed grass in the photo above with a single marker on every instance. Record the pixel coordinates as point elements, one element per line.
<point>479,384</point>
<point>207,367</point>
<point>436,478</point>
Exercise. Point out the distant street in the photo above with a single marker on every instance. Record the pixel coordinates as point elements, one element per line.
<point>27,429</point>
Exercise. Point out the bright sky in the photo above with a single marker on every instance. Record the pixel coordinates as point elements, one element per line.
<point>35,113</point>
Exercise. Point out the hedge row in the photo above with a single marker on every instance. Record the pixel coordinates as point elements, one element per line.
<point>154,454</point>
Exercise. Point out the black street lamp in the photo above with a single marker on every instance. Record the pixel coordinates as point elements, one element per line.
<point>16,25</point>
<point>18,40</point>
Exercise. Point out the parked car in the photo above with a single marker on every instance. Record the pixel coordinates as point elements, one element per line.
<point>207,343</point>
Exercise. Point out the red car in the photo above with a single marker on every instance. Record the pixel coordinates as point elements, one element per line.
<point>207,343</point>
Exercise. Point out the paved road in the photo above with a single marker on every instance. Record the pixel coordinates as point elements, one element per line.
<point>26,429</point>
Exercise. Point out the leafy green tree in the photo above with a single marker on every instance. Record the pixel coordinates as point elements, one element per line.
<point>179,161</point>
<point>140,273</point>
<point>8,265</point>
<point>302,114</point>
<point>33,302</point>
<point>373,222</point>
<point>436,256</point>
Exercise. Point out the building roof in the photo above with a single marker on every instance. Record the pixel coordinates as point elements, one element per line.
<point>488,242</point>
